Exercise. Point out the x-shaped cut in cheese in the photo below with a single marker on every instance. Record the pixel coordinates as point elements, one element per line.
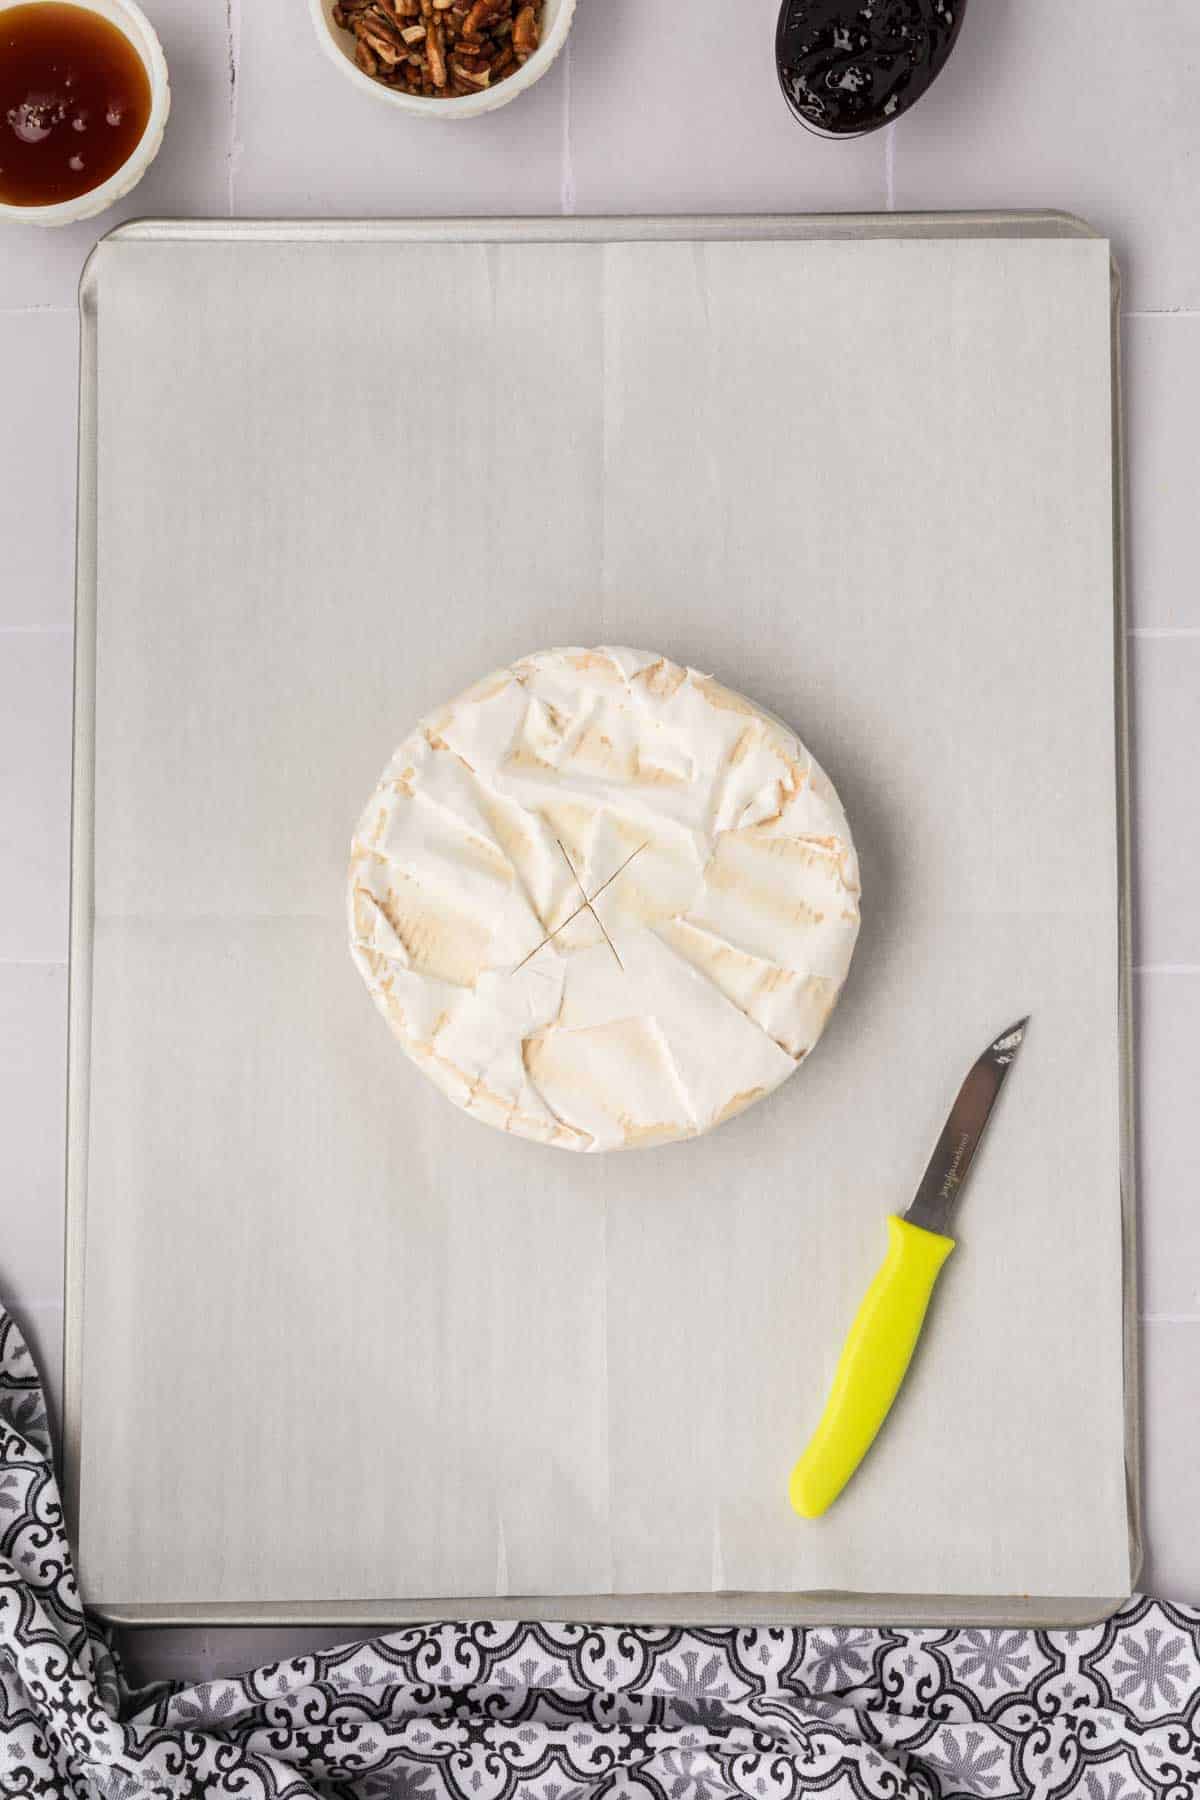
<point>587,904</point>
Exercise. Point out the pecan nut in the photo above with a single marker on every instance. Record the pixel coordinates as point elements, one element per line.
<point>440,49</point>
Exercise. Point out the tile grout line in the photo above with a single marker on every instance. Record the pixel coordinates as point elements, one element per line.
<point>1169,1318</point>
<point>33,962</point>
<point>233,47</point>
<point>36,630</point>
<point>1161,312</point>
<point>566,187</point>
<point>25,312</point>
<point>1163,631</point>
<point>1166,969</point>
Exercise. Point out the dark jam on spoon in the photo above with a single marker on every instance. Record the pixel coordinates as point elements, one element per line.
<point>74,101</point>
<point>848,66</point>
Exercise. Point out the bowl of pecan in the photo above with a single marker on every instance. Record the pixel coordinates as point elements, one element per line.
<point>447,59</point>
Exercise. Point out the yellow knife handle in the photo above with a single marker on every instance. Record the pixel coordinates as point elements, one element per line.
<point>873,1363</point>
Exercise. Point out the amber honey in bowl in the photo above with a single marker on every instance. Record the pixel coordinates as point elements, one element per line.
<point>74,102</point>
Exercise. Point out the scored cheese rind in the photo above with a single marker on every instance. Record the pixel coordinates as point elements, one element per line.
<point>703,973</point>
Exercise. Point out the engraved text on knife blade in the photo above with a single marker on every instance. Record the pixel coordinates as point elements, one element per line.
<point>941,1185</point>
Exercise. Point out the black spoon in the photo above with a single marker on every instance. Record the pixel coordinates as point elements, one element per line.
<point>849,66</point>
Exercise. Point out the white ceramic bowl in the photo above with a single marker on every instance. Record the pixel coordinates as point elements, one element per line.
<point>129,18</point>
<point>338,44</point>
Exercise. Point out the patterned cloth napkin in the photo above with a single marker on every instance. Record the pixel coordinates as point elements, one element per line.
<point>493,1711</point>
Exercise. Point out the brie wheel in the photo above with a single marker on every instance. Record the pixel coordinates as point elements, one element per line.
<point>602,900</point>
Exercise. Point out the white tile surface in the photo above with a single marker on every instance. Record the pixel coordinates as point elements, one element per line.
<point>673,111</point>
<point>41,267</point>
<point>35,759</point>
<point>152,1653</point>
<point>1168,1014</point>
<point>349,155</point>
<point>33,1050</point>
<point>155,1655</point>
<point>1166,770</point>
<point>1086,105</point>
<point>1161,381</point>
<point>1170,1377</point>
<point>1083,104</point>
<point>38,380</point>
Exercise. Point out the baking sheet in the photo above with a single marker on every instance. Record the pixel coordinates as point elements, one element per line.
<point>341,472</point>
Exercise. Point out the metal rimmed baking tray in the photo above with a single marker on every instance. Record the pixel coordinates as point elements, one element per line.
<point>335,1354</point>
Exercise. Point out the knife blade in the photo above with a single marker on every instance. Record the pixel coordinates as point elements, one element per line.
<point>883,1337</point>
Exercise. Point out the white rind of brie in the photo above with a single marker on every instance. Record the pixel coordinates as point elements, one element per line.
<point>704,972</point>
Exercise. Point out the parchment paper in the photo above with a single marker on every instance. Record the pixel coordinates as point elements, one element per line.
<point>868,483</point>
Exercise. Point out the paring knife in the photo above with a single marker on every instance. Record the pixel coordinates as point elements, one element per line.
<point>884,1334</point>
